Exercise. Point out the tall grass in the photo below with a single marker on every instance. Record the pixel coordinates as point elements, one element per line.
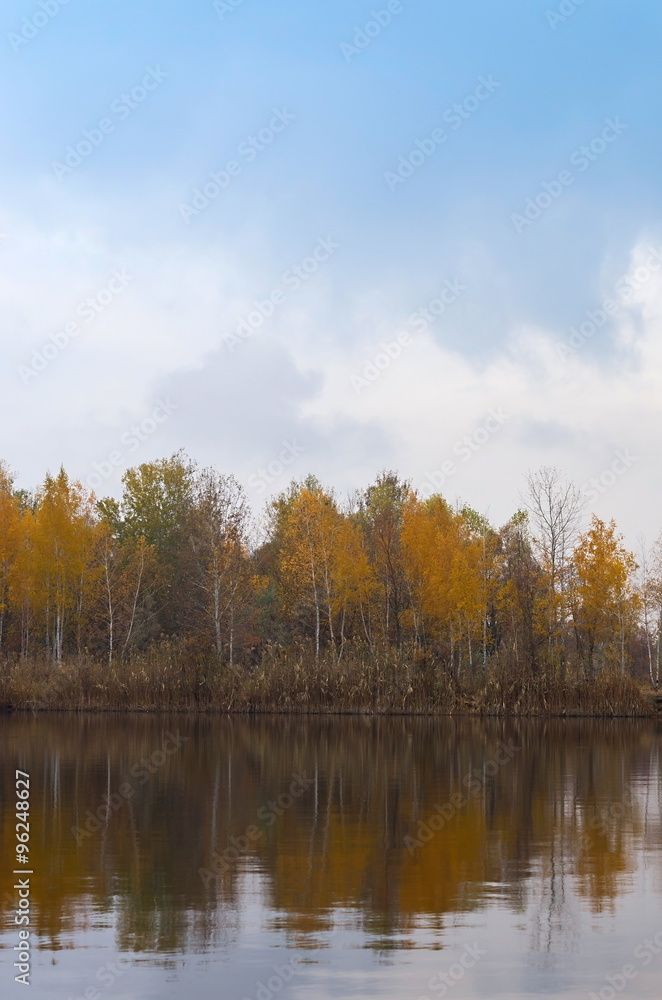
<point>169,678</point>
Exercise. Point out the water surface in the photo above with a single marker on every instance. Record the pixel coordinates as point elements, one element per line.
<point>335,857</point>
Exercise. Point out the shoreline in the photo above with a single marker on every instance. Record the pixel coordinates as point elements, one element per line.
<point>653,712</point>
<point>326,713</point>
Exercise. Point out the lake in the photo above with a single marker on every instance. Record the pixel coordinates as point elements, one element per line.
<point>315,857</point>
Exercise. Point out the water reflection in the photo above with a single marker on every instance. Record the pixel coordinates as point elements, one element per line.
<point>170,837</point>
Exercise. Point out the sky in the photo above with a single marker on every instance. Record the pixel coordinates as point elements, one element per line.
<point>334,239</point>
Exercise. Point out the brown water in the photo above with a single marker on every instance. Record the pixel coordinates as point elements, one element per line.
<point>404,858</point>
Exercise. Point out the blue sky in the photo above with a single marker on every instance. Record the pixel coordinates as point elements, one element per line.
<point>559,73</point>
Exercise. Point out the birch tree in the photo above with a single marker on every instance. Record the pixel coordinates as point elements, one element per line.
<point>9,539</point>
<point>309,528</point>
<point>63,542</point>
<point>649,589</point>
<point>223,582</point>
<point>555,507</point>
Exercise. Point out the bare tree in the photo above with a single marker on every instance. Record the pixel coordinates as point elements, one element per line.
<point>556,507</point>
<point>649,588</point>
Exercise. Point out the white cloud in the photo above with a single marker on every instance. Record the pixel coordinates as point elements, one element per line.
<point>292,379</point>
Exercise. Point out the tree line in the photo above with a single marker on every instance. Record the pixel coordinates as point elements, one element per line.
<point>179,556</point>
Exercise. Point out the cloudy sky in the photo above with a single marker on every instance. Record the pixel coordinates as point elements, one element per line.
<point>336,238</point>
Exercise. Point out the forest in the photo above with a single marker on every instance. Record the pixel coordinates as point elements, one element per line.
<point>175,594</point>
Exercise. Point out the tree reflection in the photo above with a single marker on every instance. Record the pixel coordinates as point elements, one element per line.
<point>561,824</point>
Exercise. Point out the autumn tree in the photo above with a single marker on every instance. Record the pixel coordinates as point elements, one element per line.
<point>489,567</point>
<point>649,590</point>
<point>354,582</point>
<point>22,578</point>
<point>519,582</point>
<point>155,506</point>
<point>307,522</point>
<point>380,515</point>
<point>126,588</point>
<point>443,572</point>
<point>223,584</point>
<point>61,536</point>
<point>605,605</point>
<point>9,539</point>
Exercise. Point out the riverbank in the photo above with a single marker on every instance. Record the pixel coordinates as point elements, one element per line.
<point>284,682</point>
